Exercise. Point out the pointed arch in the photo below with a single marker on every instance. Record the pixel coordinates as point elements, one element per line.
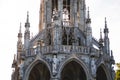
<point>37,69</point>
<point>66,8</point>
<point>71,36</point>
<point>103,73</point>
<point>64,37</point>
<point>73,66</point>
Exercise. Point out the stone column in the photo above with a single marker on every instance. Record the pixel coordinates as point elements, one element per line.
<point>75,14</point>
<point>60,10</point>
<point>93,68</point>
<point>72,12</point>
<point>48,12</point>
<point>82,12</point>
<point>57,29</point>
<point>60,16</point>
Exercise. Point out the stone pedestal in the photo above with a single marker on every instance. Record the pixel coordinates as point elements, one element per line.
<point>54,78</point>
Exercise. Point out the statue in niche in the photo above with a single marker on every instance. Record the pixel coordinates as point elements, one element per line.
<point>93,67</point>
<point>55,14</point>
<point>54,64</point>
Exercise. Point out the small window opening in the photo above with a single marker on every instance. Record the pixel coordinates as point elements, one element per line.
<point>54,9</point>
<point>66,12</point>
<point>64,37</point>
<point>79,41</point>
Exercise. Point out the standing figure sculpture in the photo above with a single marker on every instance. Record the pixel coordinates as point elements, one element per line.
<point>93,67</point>
<point>21,71</point>
<point>54,65</point>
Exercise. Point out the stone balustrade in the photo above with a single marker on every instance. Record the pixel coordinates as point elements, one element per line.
<point>64,23</point>
<point>62,49</point>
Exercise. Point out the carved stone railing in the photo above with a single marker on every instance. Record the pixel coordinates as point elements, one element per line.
<point>67,23</point>
<point>61,49</point>
<point>64,23</point>
<point>74,49</point>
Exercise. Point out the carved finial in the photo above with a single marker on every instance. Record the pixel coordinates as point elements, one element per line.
<point>20,28</point>
<point>111,53</point>
<point>88,16</point>
<point>27,16</point>
<point>14,57</point>
<point>105,23</point>
<point>100,33</point>
<point>101,40</point>
<point>106,29</point>
<point>27,24</point>
<point>20,33</point>
<point>88,13</point>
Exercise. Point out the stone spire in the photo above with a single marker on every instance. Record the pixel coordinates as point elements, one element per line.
<point>88,30</point>
<point>27,24</point>
<point>112,58</point>
<point>20,34</point>
<point>106,31</point>
<point>106,38</point>
<point>19,46</point>
<point>14,61</point>
<point>88,16</point>
<point>27,32</point>
<point>19,43</point>
<point>41,15</point>
<point>101,40</point>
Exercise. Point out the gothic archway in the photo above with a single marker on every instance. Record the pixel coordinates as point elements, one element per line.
<point>73,71</point>
<point>101,74</point>
<point>39,72</point>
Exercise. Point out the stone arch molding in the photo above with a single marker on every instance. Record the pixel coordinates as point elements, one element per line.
<point>80,62</point>
<point>34,63</point>
<point>105,68</point>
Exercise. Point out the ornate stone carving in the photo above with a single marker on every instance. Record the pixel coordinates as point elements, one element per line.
<point>21,72</point>
<point>54,65</point>
<point>93,67</point>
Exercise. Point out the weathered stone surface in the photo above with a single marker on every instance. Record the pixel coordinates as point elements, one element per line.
<point>64,49</point>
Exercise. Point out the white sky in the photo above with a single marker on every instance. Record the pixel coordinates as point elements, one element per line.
<point>12,12</point>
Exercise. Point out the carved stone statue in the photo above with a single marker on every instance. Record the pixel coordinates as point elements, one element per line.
<point>54,64</point>
<point>55,14</point>
<point>113,72</point>
<point>93,67</point>
<point>21,71</point>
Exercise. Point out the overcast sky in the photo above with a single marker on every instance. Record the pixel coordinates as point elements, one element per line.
<point>12,12</point>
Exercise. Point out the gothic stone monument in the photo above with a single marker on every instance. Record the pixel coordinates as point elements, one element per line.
<point>64,48</point>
